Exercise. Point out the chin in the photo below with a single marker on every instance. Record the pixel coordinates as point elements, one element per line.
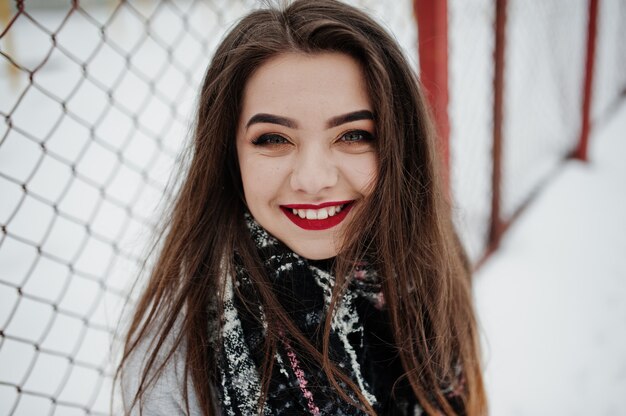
<point>314,251</point>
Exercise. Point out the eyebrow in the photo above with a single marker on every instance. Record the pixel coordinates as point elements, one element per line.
<point>272,119</point>
<point>288,122</point>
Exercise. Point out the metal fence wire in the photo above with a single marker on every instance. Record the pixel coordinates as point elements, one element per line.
<point>96,99</point>
<point>545,45</point>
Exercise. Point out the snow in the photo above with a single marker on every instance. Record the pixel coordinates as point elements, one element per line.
<point>551,301</point>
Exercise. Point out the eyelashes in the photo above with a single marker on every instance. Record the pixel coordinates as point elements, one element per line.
<point>270,139</point>
<point>349,137</point>
<point>355,136</point>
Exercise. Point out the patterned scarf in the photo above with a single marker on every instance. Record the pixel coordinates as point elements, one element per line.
<point>360,340</point>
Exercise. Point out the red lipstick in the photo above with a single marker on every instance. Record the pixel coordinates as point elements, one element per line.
<point>317,224</point>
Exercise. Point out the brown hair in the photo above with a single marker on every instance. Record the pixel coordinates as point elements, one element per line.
<point>405,225</point>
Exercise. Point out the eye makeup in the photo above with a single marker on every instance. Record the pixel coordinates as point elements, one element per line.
<point>349,137</point>
<point>356,136</point>
<point>270,139</point>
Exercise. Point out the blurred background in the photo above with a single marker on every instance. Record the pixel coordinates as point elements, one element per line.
<point>529,99</point>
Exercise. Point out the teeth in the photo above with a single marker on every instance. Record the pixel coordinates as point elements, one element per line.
<point>317,214</point>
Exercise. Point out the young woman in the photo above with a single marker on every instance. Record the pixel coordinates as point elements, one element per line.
<point>309,264</point>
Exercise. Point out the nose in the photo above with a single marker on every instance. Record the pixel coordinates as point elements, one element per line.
<point>314,170</point>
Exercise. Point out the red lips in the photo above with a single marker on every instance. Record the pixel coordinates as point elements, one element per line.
<point>317,224</point>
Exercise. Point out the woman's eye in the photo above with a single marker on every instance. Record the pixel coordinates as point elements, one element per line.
<point>357,136</point>
<point>269,139</point>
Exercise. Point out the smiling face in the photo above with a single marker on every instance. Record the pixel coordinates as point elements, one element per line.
<point>305,145</point>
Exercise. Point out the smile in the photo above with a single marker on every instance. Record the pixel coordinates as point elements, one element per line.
<point>317,217</point>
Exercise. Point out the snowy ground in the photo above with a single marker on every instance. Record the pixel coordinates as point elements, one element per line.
<point>552,301</point>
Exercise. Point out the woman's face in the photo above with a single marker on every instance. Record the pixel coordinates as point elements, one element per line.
<point>305,144</point>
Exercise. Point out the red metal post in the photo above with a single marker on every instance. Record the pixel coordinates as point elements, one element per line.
<point>496,226</point>
<point>581,150</point>
<point>432,27</point>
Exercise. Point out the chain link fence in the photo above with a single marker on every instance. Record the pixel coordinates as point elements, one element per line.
<point>545,47</point>
<point>610,77</point>
<point>545,68</point>
<point>471,72</point>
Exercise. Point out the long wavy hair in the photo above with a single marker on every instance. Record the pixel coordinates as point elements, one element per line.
<point>405,225</point>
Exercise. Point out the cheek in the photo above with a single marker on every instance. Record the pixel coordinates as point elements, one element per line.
<point>363,172</point>
<point>261,179</point>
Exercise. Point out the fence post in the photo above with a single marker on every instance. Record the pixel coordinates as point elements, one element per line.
<point>581,150</point>
<point>432,26</point>
<point>496,227</point>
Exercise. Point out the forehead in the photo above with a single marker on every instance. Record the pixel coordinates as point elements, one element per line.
<point>306,86</point>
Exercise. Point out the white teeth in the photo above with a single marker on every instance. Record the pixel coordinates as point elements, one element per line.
<point>317,214</point>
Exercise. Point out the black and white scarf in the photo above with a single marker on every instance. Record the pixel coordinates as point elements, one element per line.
<point>360,341</point>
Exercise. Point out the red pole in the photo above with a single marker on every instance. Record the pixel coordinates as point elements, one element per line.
<point>581,150</point>
<point>432,27</point>
<point>496,226</point>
